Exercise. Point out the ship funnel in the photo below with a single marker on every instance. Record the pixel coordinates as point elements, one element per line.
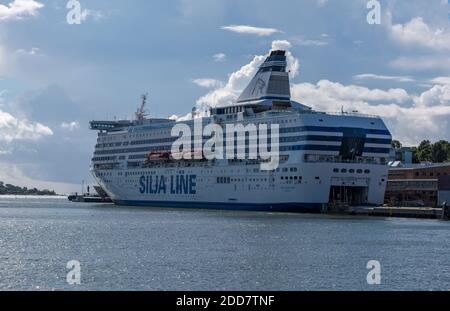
<point>271,82</point>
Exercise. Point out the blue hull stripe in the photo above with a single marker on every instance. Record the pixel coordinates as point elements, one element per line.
<point>283,207</point>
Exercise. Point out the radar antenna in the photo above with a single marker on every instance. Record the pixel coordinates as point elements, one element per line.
<point>140,113</point>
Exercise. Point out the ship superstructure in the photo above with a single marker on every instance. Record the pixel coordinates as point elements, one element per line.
<point>324,158</point>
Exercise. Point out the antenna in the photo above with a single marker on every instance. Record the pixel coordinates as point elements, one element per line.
<point>140,113</point>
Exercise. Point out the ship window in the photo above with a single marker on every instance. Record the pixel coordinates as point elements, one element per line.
<point>336,170</point>
<point>359,171</point>
<point>344,170</point>
<point>367,171</point>
<point>352,171</point>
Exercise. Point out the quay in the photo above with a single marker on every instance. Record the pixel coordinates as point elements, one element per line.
<point>384,211</point>
<point>100,197</point>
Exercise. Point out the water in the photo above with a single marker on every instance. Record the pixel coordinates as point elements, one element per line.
<point>163,249</point>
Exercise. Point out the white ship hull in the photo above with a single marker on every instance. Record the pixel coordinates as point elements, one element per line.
<point>248,191</point>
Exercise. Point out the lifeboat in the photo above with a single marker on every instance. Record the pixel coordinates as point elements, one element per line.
<point>158,156</point>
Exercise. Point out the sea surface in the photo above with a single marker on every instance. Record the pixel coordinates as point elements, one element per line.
<point>129,248</point>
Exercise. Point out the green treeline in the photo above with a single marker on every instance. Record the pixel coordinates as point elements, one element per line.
<point>15,190</point>
<point>438,152</point>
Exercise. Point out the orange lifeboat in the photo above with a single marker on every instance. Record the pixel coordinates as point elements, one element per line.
<point>159,155</point>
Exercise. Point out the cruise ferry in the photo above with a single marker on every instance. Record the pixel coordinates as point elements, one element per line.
<point>324,158</point>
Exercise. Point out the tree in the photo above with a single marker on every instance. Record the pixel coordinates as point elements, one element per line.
<point>396,144</point>
<point>440,151</point>
<point>415,155</point>
<point>424,151</point>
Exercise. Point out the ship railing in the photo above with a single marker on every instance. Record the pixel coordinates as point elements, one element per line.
<point>304,112</point>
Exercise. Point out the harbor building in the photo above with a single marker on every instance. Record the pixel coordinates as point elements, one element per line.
<point>425,184</point>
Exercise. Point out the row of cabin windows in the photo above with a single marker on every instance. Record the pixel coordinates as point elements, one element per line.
<point>432,174</point>
<point>229,180</point>
<point>223,180</point>
<point>291,178</point>
<point>351,171</point>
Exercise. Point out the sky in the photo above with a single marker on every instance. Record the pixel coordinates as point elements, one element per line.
<point>55,76</point>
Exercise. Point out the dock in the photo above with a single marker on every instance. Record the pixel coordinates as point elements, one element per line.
<point>385,211</point>
<point>100,197</point>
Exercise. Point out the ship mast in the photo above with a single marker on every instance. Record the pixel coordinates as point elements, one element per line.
<point>140,113</point>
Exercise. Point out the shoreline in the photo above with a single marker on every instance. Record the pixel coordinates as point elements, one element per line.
<point>30,196</point>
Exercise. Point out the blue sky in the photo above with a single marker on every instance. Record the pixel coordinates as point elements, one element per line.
<point>55,77</point>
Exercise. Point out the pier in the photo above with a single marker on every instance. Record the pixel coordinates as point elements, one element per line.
<point>384,211</point>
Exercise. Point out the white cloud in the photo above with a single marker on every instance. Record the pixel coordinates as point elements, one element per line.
<point>438,95</point>
<point>259,31</point>
<point>351,93</point>
<point>31,52</point>
<point>219,57</point>
<point>322,3</point>
<point>92,14</point>
<point>440,80</point>
<point>70,126</point>
<point>418,33</point>
<point>370,76</point>
<point>12,128</point>
<point>228,93</point>
<point>207,83</point>
<point>19,9</point>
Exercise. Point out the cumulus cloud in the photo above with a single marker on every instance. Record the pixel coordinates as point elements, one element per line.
<point>12,128</point>
<point>70,126</point>
<point>19,9</point>
<point>440,80</point>
<point>438,95</point>
<point>417,32</point>
<point>228,93</point>
<point>245,29</point>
